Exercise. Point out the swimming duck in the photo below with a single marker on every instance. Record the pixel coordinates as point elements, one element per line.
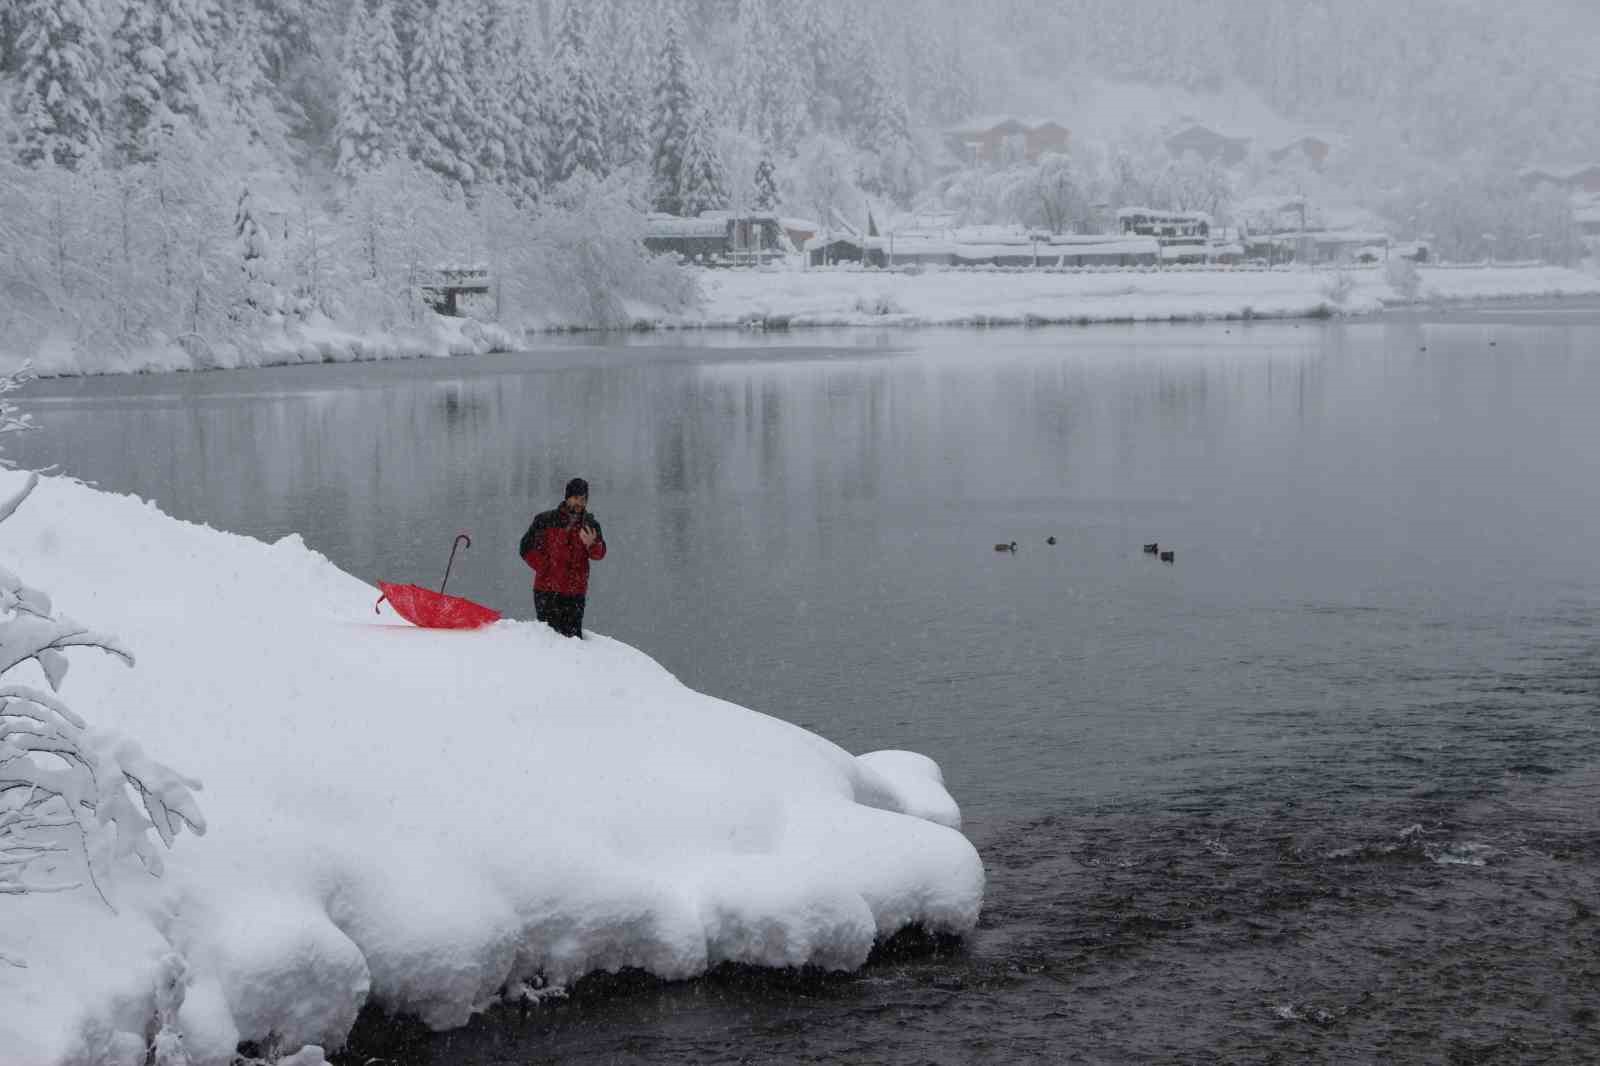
<point>1049,540</point>
<point>1151,549</point>
<point>1006,547</point>
<point>1168,557</point>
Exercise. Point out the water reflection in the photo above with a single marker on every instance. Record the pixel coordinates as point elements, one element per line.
<point>807,529</point>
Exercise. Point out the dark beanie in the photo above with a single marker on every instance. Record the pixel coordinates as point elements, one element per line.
<point>577,487</point>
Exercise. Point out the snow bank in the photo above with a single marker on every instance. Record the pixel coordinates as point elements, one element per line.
<point>854,297</point>
<point>317,341</point>
<point>419,817</point>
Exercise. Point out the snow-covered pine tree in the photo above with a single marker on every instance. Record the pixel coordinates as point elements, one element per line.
<point>816,41</point>
<point>59,63</point>
<point>244,101</point>
<point>440,96</point>
<point>372,96</point>
<point>579,132</point>
<point>765,196</point>
<point>63,787</point>
<point>627,62</point>
<point>702,185</point>
<point>674,114</point>
<point>768,88</point>
<point>157,73</point>
<point>527,100</point>
<point>286,28</point>
<point>884,131</point>
<point>251,244</point>
<point>493,48</point>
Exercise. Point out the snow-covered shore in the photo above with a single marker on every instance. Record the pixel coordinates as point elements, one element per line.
<point>419,818</point>
<point>797,298</point>
<point>854,297</point>
<point>318,341</point>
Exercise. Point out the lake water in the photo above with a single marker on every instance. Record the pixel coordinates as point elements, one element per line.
<point>1324,789</point>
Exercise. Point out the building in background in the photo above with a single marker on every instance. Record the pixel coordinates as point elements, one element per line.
<point>998,141</point>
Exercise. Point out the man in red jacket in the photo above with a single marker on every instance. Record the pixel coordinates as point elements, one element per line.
<point>559,546</point>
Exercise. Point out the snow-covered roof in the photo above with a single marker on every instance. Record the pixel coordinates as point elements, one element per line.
<point>985,123</point>
<point>669,227</point>
<point>1339,236</point>
<point>1158,215</point>
<point>1193,130</point>
<point>1332,140</point>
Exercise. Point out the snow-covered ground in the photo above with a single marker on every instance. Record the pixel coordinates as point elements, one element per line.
<point>318,341</point>
<point>854,297</point>
<point>422,817</point>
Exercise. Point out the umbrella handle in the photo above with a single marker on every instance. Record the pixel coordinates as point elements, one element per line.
<point>453,546</point>
<point>379,603</point>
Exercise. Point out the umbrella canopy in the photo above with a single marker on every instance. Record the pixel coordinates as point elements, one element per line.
<point>435,610</point>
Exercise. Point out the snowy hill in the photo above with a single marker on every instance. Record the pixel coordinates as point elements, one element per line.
<point>419,818</point>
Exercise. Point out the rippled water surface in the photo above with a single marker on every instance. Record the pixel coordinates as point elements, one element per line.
<point>1325,789</point>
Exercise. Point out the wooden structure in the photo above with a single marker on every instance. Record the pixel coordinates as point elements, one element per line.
<point>1310,148</point>
<point>444,291</point>
<point>1209,145</point>
<point>719,238</point>
<point>992,142</point>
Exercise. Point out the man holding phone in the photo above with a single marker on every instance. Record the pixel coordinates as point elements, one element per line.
<point>559,546</point>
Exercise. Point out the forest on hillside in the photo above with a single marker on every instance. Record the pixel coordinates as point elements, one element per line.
<point>299,157</point>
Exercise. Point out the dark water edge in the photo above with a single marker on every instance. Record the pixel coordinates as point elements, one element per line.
<point>1286,932</point>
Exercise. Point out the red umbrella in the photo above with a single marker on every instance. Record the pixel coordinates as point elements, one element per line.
<point>435,610</point>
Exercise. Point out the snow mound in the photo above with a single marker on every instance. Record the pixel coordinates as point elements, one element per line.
<point>913,783</point>
<point>421,817</point>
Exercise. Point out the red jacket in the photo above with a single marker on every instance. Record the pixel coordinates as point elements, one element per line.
<point>559,559</point>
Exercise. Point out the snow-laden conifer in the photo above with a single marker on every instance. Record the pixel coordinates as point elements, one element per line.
<point>626,57</point>
<point>60,62</point>
<point>372,91</point>
<point>702,184</point>
<point>674,115</point>
<point>157,72</point>
<point>440,96</point>
<point>769,90</point>
<point>580,130</point>
<point>764,196</point>
<point>528,140</point>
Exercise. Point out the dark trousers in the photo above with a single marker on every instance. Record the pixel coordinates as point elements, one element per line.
<point>564,614</point>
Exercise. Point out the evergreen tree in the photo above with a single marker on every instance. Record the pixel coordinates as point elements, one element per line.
<point>286,32</point>
<point>251,244</point>
<point>578,106</point>
<point>494,47</point>
<point>769,98</point>
<point>528,145</point>
<point>885,132</point>
<point>440,98</point>
<point>766,186</point>
<point>246,101</point>
<point>626,62</point>
<point>674,115</point>
<point>157,71</point>
<point>702,185</point>
<point>372,98</point>
<point>58,96</point>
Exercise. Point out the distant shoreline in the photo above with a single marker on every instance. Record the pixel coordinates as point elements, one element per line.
<point>833,298</point>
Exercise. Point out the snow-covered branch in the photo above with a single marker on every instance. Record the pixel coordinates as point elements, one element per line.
<point>71,798</point>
